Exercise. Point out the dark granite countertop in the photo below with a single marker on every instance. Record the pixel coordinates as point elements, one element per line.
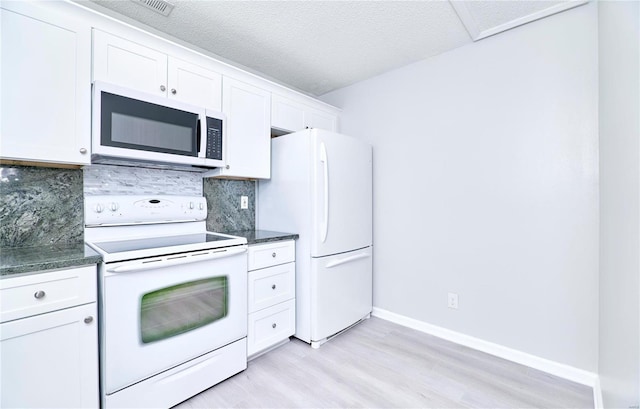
<point>27,260</point>
<point>262,236</point>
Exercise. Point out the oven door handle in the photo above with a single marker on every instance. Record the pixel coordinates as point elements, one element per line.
<point>174,260</point>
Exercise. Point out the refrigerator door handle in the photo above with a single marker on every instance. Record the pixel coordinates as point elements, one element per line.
<point>325,166</point>
<point>348,260</point>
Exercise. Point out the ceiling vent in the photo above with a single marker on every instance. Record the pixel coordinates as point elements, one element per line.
<point>159,6</point>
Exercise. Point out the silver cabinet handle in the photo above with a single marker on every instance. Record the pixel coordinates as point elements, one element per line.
<point>163,88</point>
<point>227,167</point>
<point>273,286</point>
<point>273,325</point>
<point>173,91</point>
<point>88,320</point>
<point>39,294</point>
<point>273,254</point>
<point>83,150</point>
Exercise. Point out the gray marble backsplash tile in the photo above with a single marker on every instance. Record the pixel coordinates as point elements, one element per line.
<point>127,180</point>
<point>44,206</point>
<point>40,206</point>
<point>223,203</point>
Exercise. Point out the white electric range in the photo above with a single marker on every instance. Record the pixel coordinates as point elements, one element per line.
<point>172,299</point>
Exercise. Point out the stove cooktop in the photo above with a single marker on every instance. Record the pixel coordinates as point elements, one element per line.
<point>127,227</point>
<point>120,250</point>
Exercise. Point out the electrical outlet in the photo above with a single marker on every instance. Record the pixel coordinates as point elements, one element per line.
<point>244,202</point>
<point>452,301</point>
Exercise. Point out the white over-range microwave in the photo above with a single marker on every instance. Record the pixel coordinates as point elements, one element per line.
<point>129,125</point>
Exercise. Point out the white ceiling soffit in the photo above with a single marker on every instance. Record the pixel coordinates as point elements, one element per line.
<point>488,17</point>
<point>319,46</point>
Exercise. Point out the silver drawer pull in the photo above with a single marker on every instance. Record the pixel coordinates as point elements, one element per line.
<point>39,294</point>
<point>273,255</point>
<point>88,320</point>
<point>273,325</point>
<point>273,286</point>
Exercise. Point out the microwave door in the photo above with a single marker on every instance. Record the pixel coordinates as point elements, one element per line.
<point>136,126</point>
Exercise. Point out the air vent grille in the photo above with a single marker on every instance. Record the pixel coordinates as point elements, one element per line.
<point>160,6</point>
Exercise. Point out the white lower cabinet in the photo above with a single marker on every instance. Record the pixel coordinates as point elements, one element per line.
<point>271,296</point>
<point>49,360</point>
<point>270,327</point>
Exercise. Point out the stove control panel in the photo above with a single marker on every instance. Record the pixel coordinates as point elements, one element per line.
<point>139,209</point>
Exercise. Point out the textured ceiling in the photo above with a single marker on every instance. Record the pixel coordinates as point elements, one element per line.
<point>319,46</point>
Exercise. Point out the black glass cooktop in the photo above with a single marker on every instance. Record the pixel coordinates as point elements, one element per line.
<point>113,247</point>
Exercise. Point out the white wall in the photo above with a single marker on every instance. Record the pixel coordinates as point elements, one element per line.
<point>486,185</point>
<point>619,54</point>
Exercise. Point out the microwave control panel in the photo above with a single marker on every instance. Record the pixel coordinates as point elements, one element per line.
<point>214,138</point>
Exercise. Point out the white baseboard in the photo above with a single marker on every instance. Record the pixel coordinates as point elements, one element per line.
<point>598,403</point>
<point>554,368</point>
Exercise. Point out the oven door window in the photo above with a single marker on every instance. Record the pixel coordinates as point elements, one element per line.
<point>181,308</point>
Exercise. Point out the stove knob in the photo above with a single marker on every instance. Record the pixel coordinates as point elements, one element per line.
<point>114,206</point>
<point>191,205</point>
<point>201,206</point>
<point>99,208</point>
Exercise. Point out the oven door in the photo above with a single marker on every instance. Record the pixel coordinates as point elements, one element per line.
<point>159,313</point>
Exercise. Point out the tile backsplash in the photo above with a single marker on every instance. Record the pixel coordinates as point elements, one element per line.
<point>128,180</point>
<point>223,196</point>
<point>40,206</point>
<point>43,206</point>
<point>223,203</point>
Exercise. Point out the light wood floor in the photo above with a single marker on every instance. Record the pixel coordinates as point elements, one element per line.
<point>378,364</point>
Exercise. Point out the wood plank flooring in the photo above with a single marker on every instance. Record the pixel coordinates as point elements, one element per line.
<point>378,364</point>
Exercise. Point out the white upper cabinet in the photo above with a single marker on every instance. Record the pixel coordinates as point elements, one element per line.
<point>286,114</point>
<point>291,115</point>
<point>248,112</point>
<point>194,84</point>
<point>128,64</point>
<point>315,118</point>
<point>46,68</point>
<point>123,62</point>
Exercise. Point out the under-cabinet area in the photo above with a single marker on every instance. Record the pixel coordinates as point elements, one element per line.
<point>49,339</point>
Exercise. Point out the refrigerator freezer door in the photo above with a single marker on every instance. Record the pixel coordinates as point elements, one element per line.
<point>341,292</point>
<point>341,194</point>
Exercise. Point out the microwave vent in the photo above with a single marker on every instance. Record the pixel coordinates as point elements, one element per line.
<point>160,6</point>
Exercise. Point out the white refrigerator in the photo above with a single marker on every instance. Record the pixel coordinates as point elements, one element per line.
<point>321,188</point>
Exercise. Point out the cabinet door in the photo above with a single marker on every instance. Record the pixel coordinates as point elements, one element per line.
<point>45,86</point>
<point>122,62</point>
<point>315,118</point>
<point>271,326</point>
<point>248,111</point>
<point>286,114</point>
<point>50,360</point>
<point>194,85</point>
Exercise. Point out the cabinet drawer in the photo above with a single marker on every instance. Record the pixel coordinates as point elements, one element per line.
<point>270,326</point>
<point>270,286</point>
<point>44,292</point>
<point>272,254</point>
